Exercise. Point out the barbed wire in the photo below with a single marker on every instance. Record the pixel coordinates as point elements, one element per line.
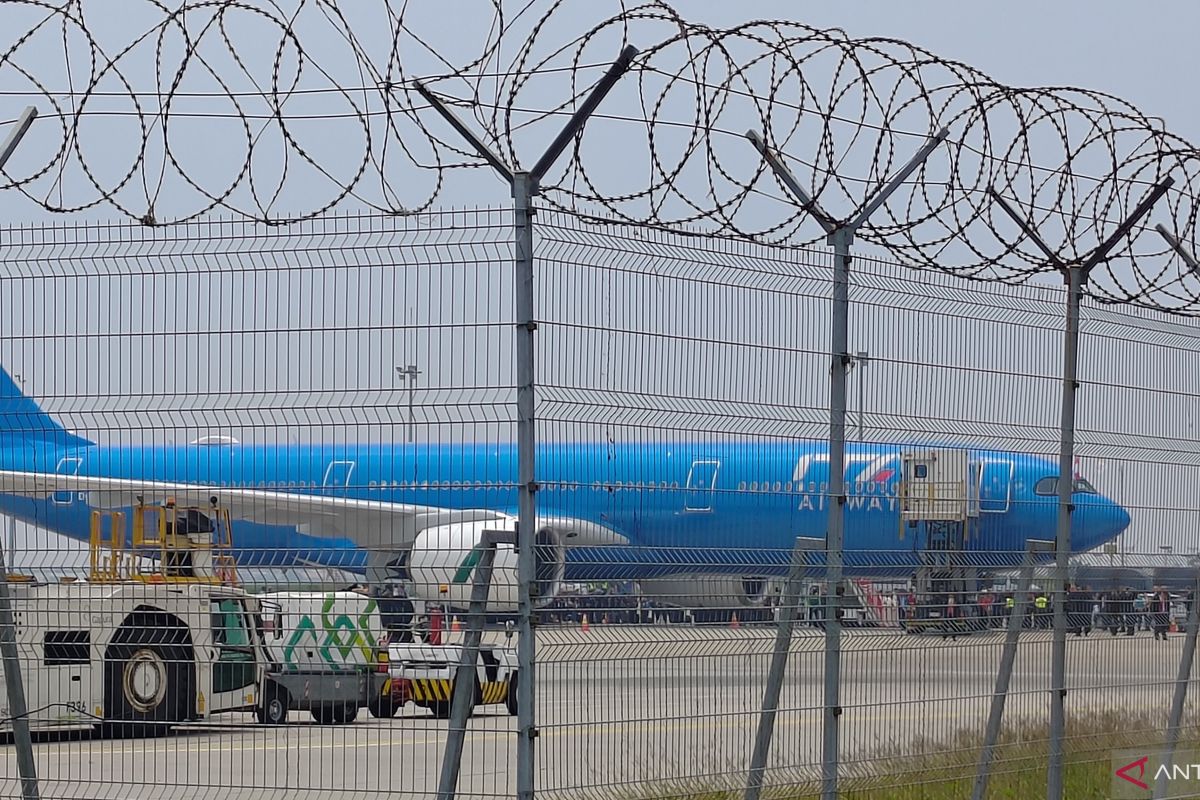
<point>309,105</point>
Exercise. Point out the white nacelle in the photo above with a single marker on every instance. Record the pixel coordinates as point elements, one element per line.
<point>442,560</point>
<point>705,591</point>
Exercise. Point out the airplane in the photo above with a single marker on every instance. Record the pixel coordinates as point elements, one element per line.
<point>701,518</point>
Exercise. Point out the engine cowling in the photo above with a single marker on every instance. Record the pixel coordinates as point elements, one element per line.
<point>441,566</point>
<point>706,591</point>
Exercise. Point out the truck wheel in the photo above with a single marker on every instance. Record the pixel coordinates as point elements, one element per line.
<point>335,713</point>
<point>510,697</point>
<point>274,707</point>
<point>146,689</point>
<point>383,707</point>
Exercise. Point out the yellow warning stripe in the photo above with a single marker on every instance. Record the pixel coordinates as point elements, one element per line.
<point>494,692</point>
<point>429,689</point>
<point>442,689</point>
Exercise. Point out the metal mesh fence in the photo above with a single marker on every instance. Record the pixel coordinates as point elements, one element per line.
<point>324,415</point>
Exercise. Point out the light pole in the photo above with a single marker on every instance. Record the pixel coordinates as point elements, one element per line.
<point>410,372</point>
<point>859,360</point>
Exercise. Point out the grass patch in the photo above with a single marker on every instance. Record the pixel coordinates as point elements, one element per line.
<point>945,770</point>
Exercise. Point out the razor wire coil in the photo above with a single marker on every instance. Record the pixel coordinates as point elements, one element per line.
<point>845,112</point>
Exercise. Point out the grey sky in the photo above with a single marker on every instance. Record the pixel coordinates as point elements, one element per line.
<point>1144,52</point>
<point>1123,48</point>
<point>1112,47</point>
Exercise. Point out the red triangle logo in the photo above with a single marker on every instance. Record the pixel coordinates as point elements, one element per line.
<point>1140,764</point>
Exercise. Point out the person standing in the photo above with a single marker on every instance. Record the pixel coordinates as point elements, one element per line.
<point>985,608</point>
<point>951,618</point>
<point>1160,609</point>
<point>816,597</point>
<point>1042,604</point>
<point>1141,608</point>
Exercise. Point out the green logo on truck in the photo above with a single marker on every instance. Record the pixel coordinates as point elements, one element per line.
<point>338,635</point>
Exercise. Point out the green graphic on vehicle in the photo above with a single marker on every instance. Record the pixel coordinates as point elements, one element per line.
<point>469,563</point>
<point>337,638</point>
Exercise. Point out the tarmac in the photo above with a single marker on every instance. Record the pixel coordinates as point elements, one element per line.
<point>632,710</point>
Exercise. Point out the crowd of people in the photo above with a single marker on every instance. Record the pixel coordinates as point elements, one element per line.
<point>1121,612</point>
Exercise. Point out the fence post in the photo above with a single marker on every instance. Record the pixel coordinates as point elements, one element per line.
<point>463,699</point>
<point>1016,619</point>
<point>525,186</point>
<point>14,684</point>
<point>1076,276</point>
<point>841,236</point>
<point>1175,720</point>
<point>779,658</point>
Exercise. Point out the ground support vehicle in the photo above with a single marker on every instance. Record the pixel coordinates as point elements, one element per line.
<point>328,657</point>
<point>429,671</point>
<point>155,637</point>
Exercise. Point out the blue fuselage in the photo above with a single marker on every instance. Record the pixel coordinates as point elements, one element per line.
<point>719,507</point>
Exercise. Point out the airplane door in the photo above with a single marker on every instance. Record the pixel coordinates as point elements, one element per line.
<point>702,479</point>
<point>66,466</point>
<point>995,486</point>
<point>337,476</point>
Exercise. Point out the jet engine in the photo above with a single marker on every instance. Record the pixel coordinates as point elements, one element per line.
<point>441,566</point>
<point>706,591</point>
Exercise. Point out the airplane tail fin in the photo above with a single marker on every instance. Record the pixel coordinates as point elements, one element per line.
<point>22,418</point>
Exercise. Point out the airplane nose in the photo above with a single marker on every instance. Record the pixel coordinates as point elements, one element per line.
<point>1096,521</point>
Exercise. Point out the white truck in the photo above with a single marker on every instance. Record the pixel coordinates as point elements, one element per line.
<point>427,671</point>
<point>134,658</point>
<point>328,656</point>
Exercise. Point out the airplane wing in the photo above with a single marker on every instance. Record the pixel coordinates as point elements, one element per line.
<point>370,524</point>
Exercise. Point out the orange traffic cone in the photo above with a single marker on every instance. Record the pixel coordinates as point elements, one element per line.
<point>455,625</point>
<point>584,624</point>
<point>733,623</point>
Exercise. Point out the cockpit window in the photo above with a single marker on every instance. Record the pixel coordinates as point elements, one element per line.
<point>1049,486</point>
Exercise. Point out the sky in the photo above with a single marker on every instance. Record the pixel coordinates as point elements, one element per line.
<point>1141,52</point>
<point>1135,51</point>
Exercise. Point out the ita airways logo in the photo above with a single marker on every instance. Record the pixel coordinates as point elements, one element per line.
<point>1134,772</point>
